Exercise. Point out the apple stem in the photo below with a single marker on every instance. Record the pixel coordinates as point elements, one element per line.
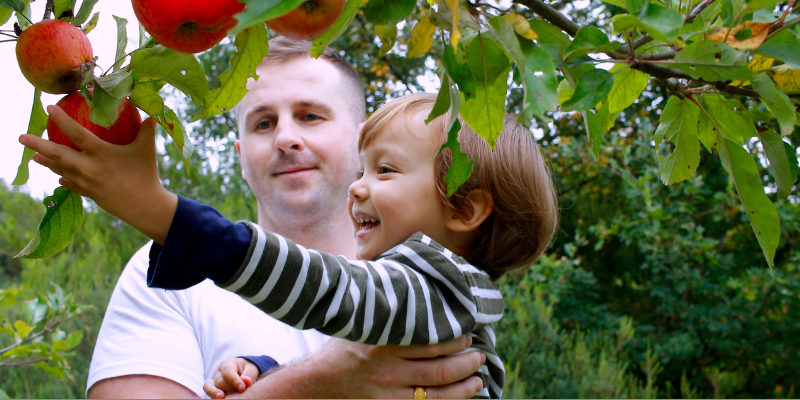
<point>117,61</point>
<point>49,8</point>
<point>9,40</point>
<point>8,34</point>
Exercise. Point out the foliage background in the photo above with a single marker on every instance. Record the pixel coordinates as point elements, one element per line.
<point>648,290</point>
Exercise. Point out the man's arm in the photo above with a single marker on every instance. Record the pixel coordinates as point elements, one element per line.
<point>343,369</point>
<point>139,387</point>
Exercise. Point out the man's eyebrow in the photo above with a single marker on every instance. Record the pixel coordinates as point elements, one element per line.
<point>255,110</point>
<point>324,107</point>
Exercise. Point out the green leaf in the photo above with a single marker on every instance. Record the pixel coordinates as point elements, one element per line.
<point>122,40</point>
<point>337,29</point>
<point>24,22</point>
<point>151,103</point>
<point>484,111</point>
<point>551,38</point>
<point>731,9</point>
<point>618,3</point>
<point>107,94</point>
<point>91,24</point>
<point>536,68</point>
<point>564,91</point>
<point>36,127</point>
<point>461,166</point>
<point>794,163</point>
<point>63,218</point>
<point>589,40</point>
<point>22,329</point>
<point>634,6</point>
<point>663,24</point>
<point>73,339</point>
<point>388,36</point>
<point>3,395</point>
<point>760,210</point>
<point>84,12</point>
<point>592,87</point>
<point>252,46</point>
<point>421,38</point>
<point>734,124</point>
<point>16,5</point>
<point>628,86</point>
<point>180,70</point>
<point>713,61</point>
<point>258,11</point>
<point>388,12</point>
<point>596,127</point>
<point>779,162</point>
<point>60,6</point>
<point>776,101</point>
<point>754,5</point>
<point>35,311</point>
<point>678,125</point>
<point>459,71</point>
<point>448,99</point>
<point>5,14</point>
<point>783,46</point>
<point>56,372</point>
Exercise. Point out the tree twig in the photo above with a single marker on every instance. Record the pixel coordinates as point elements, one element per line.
<point>19,364</point>
<point>696,11</point>
<point>31,337</point>
<point>551,15</point>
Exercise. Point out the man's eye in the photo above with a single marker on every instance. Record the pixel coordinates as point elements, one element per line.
<point>264,125</point>
<point>310,117</point>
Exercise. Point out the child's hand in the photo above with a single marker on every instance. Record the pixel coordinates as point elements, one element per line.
<point>122,180</point>
<point>234,374</point>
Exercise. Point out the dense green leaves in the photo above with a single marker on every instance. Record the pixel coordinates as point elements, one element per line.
<point>258,11</point>
<point>679,127</point>
<point>448,99</point>
<point>592,87</point>
<point>63,217</point>
<point>151,102</point>
<point>36,127</point>
<point>388,12</point>
<point>713,61</point>
<point>589,40</point>
<point>178,69</point>
<point>663,24</point>
<point>252,46</point>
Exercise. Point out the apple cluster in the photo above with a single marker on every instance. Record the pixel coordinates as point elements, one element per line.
<point>56,56</point>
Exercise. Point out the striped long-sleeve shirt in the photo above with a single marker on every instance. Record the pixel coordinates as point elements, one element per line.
<point>416,293</point>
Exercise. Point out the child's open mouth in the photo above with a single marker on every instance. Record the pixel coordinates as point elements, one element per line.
<point>365,225</point>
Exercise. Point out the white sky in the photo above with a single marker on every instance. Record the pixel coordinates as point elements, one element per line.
<point>16,93</point>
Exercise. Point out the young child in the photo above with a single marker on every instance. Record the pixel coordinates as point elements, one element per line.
<point>428,261</point>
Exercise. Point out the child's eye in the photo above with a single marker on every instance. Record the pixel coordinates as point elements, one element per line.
<point>384,170</point>
<point>360,174</point>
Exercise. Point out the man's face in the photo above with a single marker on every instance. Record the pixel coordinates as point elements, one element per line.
<point>298,139</point>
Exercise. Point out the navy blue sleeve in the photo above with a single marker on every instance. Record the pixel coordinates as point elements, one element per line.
<point>264,363</point>
<point>201,243</point>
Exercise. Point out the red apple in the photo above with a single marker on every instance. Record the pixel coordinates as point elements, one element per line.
<point>122,132</point>
<point>188,26</point>
<point>54,56</point>
<point>309,20</point>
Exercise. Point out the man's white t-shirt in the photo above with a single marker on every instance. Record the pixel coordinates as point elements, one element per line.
<point>184,335</point>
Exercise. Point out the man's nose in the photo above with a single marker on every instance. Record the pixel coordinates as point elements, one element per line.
<point>288,137</point>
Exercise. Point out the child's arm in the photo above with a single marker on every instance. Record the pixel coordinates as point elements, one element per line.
<point>122,180</point>
<point>237,374</point>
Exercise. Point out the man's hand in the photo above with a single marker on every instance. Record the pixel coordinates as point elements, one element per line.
<point>122,180</point>
<point>343,369</point>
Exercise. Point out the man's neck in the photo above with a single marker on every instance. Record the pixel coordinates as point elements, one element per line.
<point>319,232</point>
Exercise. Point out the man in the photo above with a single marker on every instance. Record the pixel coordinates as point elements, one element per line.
<point>298,128</point>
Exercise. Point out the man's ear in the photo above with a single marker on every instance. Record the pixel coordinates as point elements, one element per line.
<point>238,146</point>
<point>478,207</point>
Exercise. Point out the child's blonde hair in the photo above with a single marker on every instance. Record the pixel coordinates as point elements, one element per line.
<point>525,214</point>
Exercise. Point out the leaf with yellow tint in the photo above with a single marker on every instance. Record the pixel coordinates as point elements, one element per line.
<point>747,35</point>
<point>455,35</point>
<point>787,78</point>
<point>421,38</point>
<point>759,63</point>
<point>521,26</point>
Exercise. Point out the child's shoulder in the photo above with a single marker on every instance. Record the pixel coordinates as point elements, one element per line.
<point>428,249</point>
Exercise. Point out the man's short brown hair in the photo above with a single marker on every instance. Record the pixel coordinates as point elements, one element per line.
<point>515,175</point>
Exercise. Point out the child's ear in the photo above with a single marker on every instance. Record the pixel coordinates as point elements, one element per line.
<point>478,207</point>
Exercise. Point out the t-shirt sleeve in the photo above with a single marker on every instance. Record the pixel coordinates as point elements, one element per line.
<point>201,243</point>
<point>146,331</point>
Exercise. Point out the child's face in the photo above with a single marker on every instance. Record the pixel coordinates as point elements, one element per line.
<point>396,196</point>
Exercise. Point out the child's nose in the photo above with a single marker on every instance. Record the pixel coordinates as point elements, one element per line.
<point>358,190</point>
